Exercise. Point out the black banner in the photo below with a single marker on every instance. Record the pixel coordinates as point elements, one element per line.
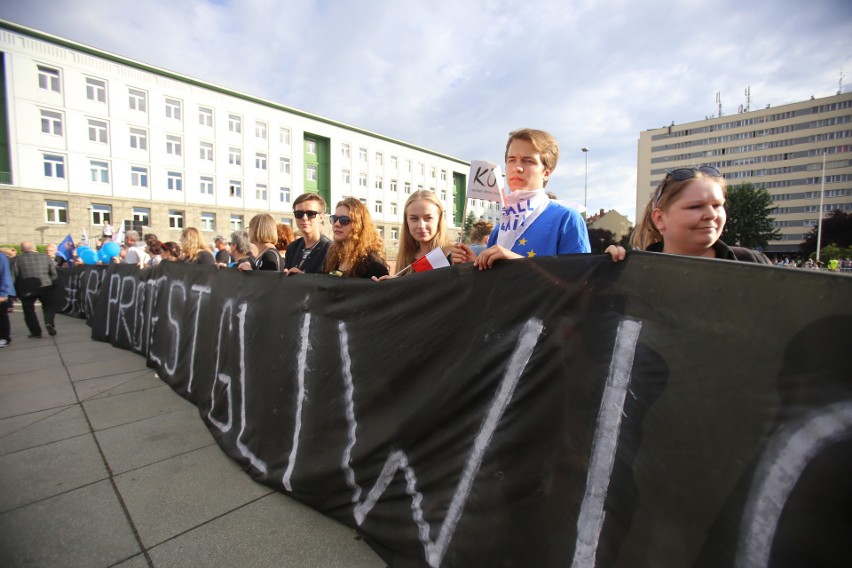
<point>661,411</point>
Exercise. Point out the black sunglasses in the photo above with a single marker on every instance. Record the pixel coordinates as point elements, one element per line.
<point>342,219</point>
<point>681,174</point>
<point>310,214</point>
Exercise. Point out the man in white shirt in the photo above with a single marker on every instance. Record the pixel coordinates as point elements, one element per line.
<point>135,250</point>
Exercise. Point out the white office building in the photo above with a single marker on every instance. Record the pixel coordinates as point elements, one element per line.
<point>89,137</point>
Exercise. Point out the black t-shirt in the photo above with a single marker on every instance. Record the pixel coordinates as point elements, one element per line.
<point>223,257</point>
<point>371,266</point>
<point>205,257</point>
<point>269,260</point>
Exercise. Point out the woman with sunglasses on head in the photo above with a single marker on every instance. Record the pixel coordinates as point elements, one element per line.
<point>531,223</point>
<point>357,249</point>
<point>686,216</point>
<point>307,254</point>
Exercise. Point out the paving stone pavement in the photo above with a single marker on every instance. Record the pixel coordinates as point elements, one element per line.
<point>102,464</point>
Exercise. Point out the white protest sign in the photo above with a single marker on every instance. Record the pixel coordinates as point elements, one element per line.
<point>486,181</point>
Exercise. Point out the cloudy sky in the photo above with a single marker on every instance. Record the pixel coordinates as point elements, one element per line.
<point>456,76</point>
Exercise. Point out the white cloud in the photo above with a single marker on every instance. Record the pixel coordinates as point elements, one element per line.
<point>456,76</point>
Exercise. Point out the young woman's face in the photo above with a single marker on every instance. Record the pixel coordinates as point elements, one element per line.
<point>341,231</point>
<point>422,217</point>
<point>524,170</point>
<point>693,222</point>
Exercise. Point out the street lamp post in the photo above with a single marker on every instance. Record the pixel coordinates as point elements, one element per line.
<point>586,182</point>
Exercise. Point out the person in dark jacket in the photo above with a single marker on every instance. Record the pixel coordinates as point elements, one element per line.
<point>35,275</point>
<point>307,254</point>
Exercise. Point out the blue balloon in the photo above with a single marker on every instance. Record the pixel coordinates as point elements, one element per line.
<point>82,248</point>
<point>87,255</point>
<point>102,256</point>
<point>110,250</point>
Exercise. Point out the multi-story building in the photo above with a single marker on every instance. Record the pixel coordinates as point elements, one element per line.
<point>780,149</point>
<point>88,137</point>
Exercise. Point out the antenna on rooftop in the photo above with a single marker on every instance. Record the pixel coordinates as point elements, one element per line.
<point>748,98</point>
<point>719,104</point>
<point>840,81</point>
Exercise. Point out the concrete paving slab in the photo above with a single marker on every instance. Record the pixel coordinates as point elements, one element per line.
<point>273,531</point>
<point>48,470</point>
<point>145,442</point>
<point>84,527</point>
<point>129,407</point>
<point>12,424</point>
<point>79,353</point>
<point>176,495</point>
<point>114,364</point>
<point>138,561</point>
<point>55,425</point>
<point>51,363</point>
<point>16,353</point>
<point>35,391</point>
<point>116,384</point>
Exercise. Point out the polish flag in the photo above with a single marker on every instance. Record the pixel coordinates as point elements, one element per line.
<point>434,259</point>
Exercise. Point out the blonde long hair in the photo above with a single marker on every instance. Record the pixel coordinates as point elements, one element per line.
<point>646,232</point>
<point>191,244</point>
<point>408,247</point>
<point>363,241</point>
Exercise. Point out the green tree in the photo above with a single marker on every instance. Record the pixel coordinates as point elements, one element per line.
<point>467,228</point>
<point>836,229</point>
<point>749,224</point>
<point>600,239</point>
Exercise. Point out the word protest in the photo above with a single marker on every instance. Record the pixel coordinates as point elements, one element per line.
<point>661,411</point>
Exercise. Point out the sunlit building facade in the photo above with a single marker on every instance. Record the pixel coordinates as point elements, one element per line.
<point>88,137</point>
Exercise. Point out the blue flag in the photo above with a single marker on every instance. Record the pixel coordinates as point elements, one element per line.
<point>66,248</point>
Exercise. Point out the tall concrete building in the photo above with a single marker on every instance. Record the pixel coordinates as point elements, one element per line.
<point>778,148</point>
<point>88,137</point>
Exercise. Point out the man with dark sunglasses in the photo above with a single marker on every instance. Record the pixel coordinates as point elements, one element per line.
<point>307,254</point>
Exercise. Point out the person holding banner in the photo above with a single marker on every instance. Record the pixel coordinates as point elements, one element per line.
<point>424,230</point>
<point>307,254</point>
<point>686,216</point>
<point>531,223</point>
<point>357,249</point>
<point>263,233</point>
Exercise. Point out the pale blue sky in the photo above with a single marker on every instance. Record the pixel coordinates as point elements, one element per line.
<point>457,76</point>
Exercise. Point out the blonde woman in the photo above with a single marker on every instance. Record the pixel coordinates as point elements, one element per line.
<point>193,248</point>
<point>424,228</point>
<point>357,249</point>
<point>263,233</point>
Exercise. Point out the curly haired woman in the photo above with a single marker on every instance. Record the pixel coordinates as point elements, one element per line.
<point>357,249</point>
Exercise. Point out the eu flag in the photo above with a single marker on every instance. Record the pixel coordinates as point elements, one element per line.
<point>66,248</point>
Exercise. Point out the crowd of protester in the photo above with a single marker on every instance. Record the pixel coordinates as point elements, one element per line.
<point>685,216</point>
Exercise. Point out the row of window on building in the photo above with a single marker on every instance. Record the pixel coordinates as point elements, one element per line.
<point>99,172</point>
<point>56,212</point>
<point>49,79</point>
<point>51,123</point>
